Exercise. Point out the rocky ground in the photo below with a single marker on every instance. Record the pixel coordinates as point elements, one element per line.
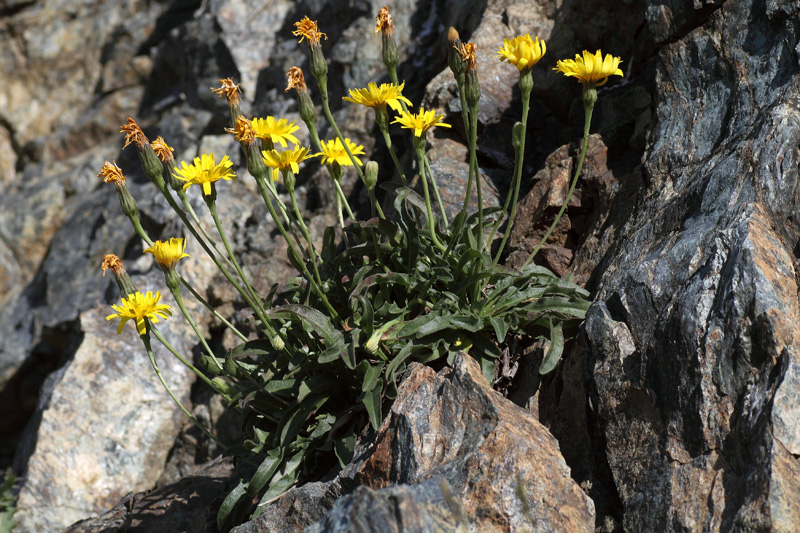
<point>675,409</point>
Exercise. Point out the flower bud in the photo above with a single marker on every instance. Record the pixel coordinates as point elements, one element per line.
<point>114,263</point>
<point>371,175</point>
<point>277,343</point>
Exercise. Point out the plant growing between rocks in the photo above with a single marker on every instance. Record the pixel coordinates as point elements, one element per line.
<point>332,343</point>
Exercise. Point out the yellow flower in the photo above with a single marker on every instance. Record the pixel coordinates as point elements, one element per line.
<point>229,90</point>
<point>333,152</point>
<point>522,51</point>
<point>308,29</point>
<point>168,253</point>
<point>139,307</point>
<point>421,122</point>
<point>378,97</point>
<point>285,160</point>
<point>276,131</point>
<point>111,173</point>
<point>162,149</point>
<point>591,68</point>
<point>204,172</point>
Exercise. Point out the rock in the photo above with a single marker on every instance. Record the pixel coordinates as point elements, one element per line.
<point>691,342</point>
<point>103,427</point>
<point>451,451</point>
<point>188,505</point>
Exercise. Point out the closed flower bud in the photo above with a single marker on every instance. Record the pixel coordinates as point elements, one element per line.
<point>371,175</point>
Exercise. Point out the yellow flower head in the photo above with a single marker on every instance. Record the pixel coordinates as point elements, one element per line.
<point>242,131</point>
<point>285,160</point>
<point>307,29</point>
<point>385,23</point>
<point>421,122</point>
<point>133,134</point>
<point>591,68</point>
<point>204,172</point>
<point>229,90</point>
<point>162,149</point>
<point>467,52</point>
<point>378,97</point>
<point>139,307</point>
<point>111,261</point>
<point>111,173</point>
<point>168,253</point>
<point>296,80</point>
<point>275,130</point>
<point>522,51</point>
<point>333,152</point>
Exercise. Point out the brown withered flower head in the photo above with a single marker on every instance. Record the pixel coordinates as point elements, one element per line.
<point>242,131</point>
<point>307,29</point>
<point>385,23</point>
<point>114,263</point>
<point>162,149</point>
<point>296,80</point>
<point>229,90</point>
<point>467,52</point>
<point>111,173</point>
<point>133,134</point>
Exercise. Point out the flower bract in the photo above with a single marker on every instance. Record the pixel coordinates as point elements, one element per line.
<point>275,130</point>
<point>139,307</point>
<point>204,172</point>
<point>590,68</point>
<point>378,97</point>
<point>522,51</point>
<point>168,253</point>
<point>420,122</point>
<point>285,160</point>
<point>333,152</point>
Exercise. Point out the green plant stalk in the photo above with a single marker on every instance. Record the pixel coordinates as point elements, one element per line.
<point>176,293</point>
<point>304,229</point>
<point>374,204</point>
<point>473,163</point>
<point>258,308</point>
<point>312,129</point>
<point>382,123</point>
<point>262,186</point>
<point>519,156</point>
<point>436,193</point>
<point>419,144</point>
<point>137,226</point>
<point>146,340</point>
<point>189,209</point>
<point>181,358</point>
<point>588,114</point>
<point>465,118</point>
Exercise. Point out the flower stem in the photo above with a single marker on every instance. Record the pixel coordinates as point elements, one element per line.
<point>176,293</point>
<point>306,234</point>
<point>588,114</point>
<point>519,156</point>
<point>420,146</point>
<point>436,193</point>
<point>146,340</point>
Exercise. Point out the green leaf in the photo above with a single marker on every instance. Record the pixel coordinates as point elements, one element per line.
<point>344,447</point>
<point>265,471</point>
<point>372,401</point>
<point>229,503</point>
<point>316,320</point>
<point>371,376</point>
<point>500,327</point>
<point>556,348</point>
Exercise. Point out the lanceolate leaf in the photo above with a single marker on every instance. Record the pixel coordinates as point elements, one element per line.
<point>556,348</point>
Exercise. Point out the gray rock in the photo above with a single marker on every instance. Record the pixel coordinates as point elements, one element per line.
<point>692,339</point>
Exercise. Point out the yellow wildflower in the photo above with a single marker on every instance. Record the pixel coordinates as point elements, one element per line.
<point>420,122</point>
<point>522,51</point>
<point>140,307</point>
<point>204,172</point>
<point>590,69</point>
<point>307,29</point>
<point>333,152</point>
<point>378,97</point>
<point>276,131</point>
<point>168,253</point>
<point>285,160</point>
